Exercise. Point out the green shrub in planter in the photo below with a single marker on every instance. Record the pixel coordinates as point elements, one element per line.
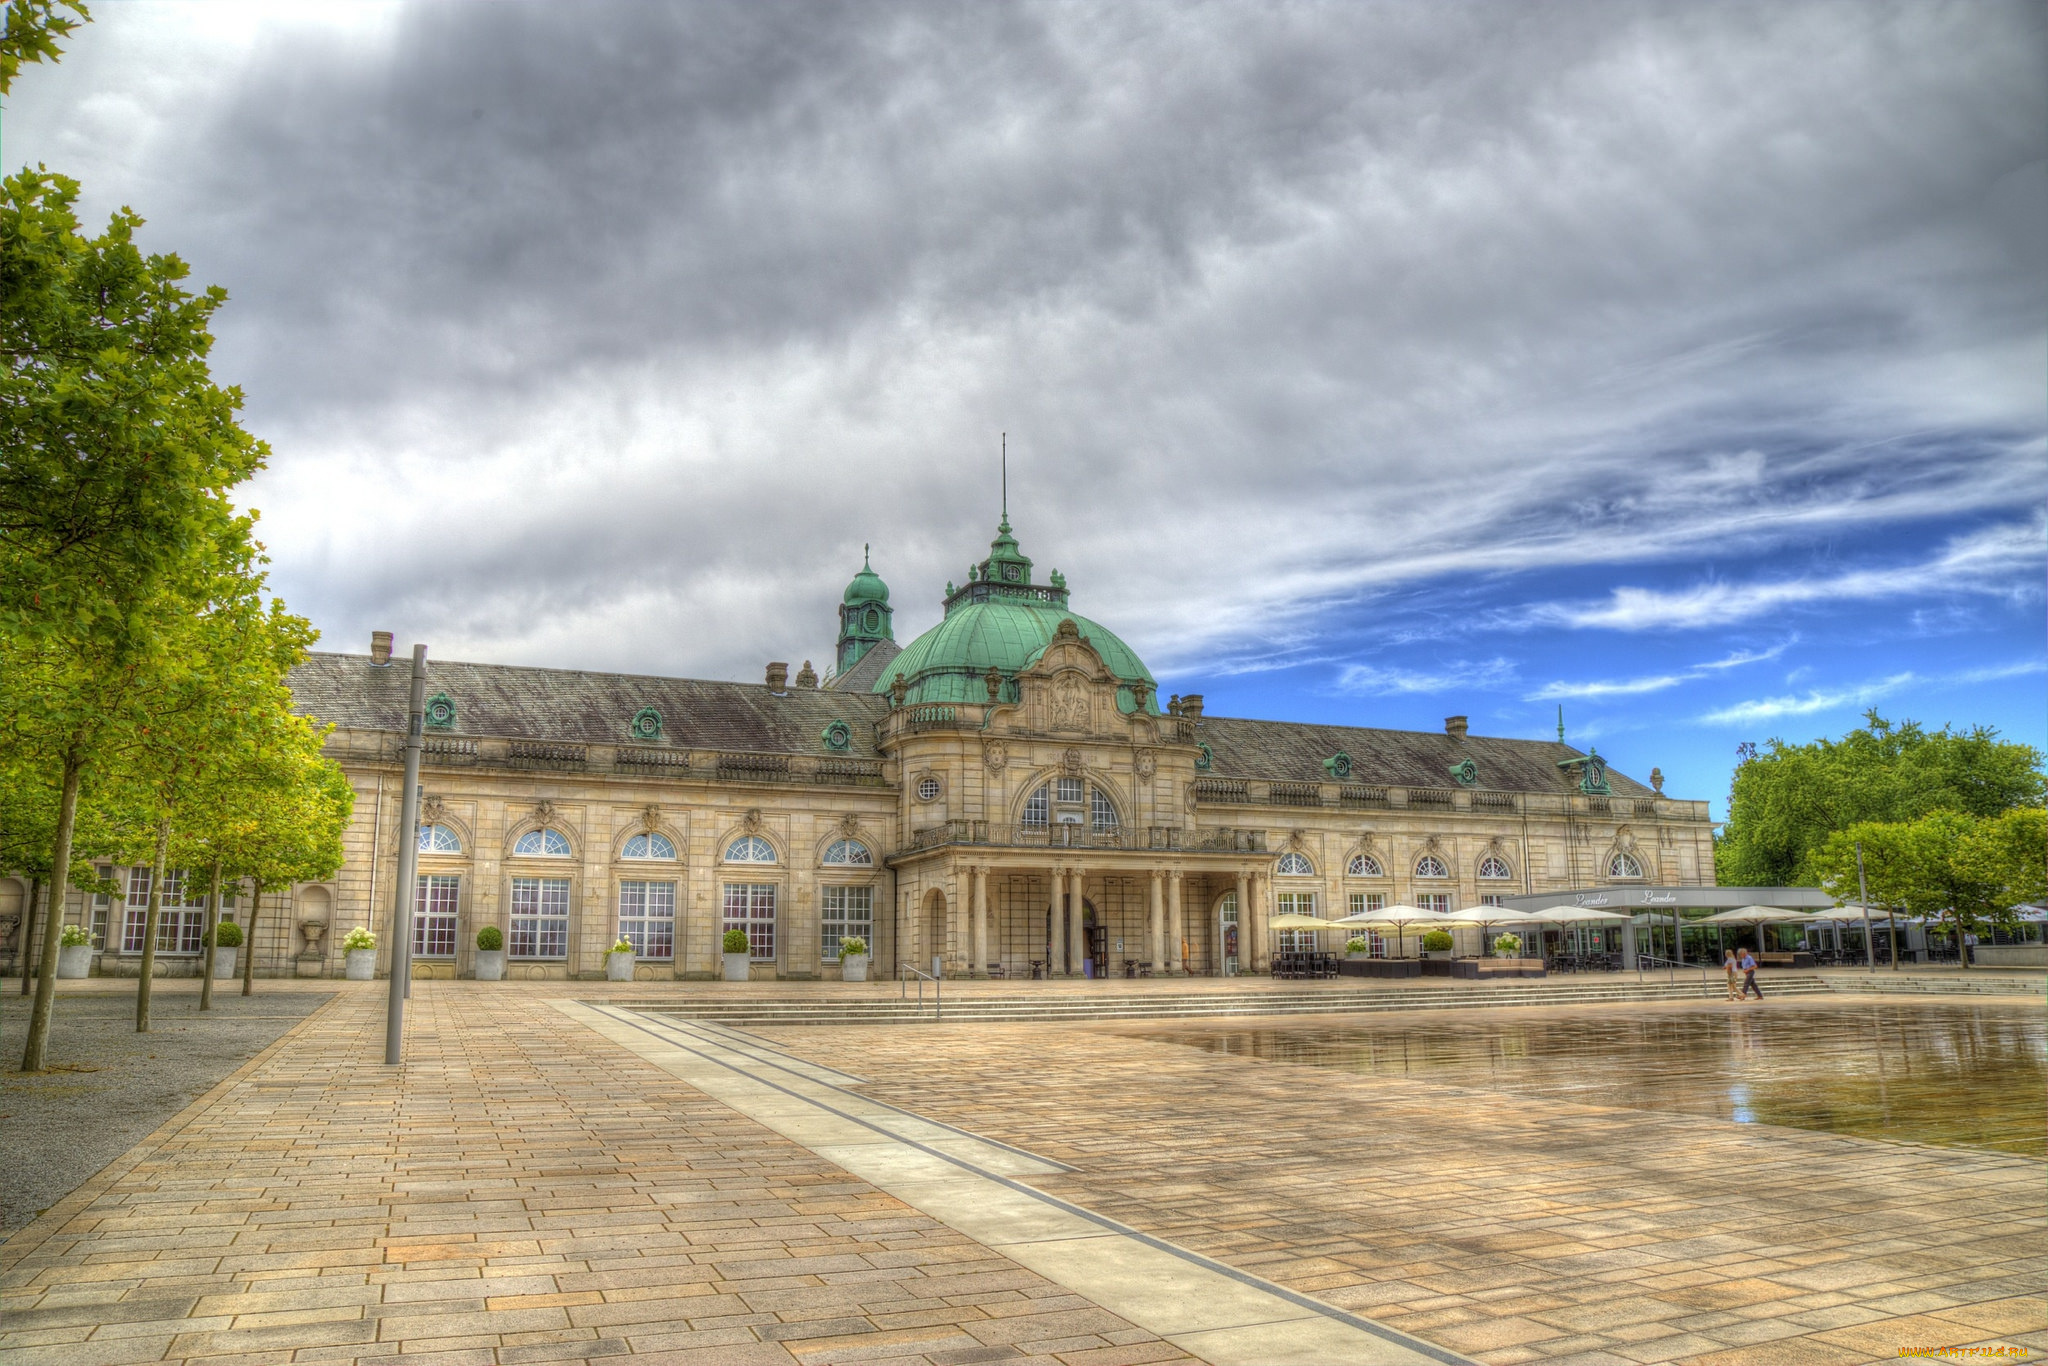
<point>853,946</point>
<point>1357,946</point>
<point>227,935</point>
<point>736,941</point>
<point>1436,941</point>
<point>624,945</point>
<point>1508,945</point>
<point>359,938</point>
<point>490,939</point>
<point>73,936</point>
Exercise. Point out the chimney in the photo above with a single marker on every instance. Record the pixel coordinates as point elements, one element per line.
<point>778,678</point>
<point>380,648</point>
<point>1454,726</point>
<point>1191,705</point>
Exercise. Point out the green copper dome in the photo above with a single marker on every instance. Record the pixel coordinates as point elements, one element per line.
<point>867,586</point>
<point>1000,619</point>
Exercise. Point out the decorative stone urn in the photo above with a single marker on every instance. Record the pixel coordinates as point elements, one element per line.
<point>738,966</point>
<point>854,967</point>
<point>360,965</point>
<point>490,965</point>
<point>74,960</point>
<point>618,967</point>
<point>313,931</point>
<point>224,962</point>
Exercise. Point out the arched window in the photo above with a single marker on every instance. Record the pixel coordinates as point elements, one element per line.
<point>439,839</point>
<point>1429,865</point>
<point>849,853</point>
<point>1494,869</point>
<point>542,844</point>
<point>1624,865</point>
<point>1295,865</point>
<point>750,849</point>
<point>1365,865</point>
<point>1101,812</point>
<point>1038,807</point>
<point>649,845</point>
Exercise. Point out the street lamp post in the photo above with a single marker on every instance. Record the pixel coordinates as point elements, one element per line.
<point>408,860</point>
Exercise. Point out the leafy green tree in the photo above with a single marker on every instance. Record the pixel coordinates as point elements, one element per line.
<point>31,31</point>
<point>117,455</point>
<point>1965,872</point>
<point>1785,803</point>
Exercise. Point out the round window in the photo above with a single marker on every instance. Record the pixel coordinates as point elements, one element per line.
<point>927,789</point>
<point>874,620</point>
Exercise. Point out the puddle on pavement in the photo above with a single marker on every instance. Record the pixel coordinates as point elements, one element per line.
<point>1963,1076</point>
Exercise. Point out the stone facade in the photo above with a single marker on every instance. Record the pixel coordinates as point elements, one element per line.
<point>986,825</point>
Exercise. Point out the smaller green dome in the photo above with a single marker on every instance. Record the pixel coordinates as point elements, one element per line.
<point>867,586</point>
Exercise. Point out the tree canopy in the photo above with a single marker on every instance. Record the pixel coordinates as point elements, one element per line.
<point>1786,802</point>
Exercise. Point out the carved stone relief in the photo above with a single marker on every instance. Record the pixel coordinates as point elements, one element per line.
<point>1069,703</point>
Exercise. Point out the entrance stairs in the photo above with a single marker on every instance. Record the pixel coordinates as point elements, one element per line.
<point>1089,1005</point>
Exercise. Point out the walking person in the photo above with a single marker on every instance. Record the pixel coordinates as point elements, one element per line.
<point>1748,966</point>
<point>1728,963</point>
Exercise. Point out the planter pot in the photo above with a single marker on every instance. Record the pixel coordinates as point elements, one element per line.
<point>854,967</point>
<point>737,965</point>
<point>360,965</point>
<point>224,962</point>
<point>74,960</point>
<point>1436,953</point>
<point>490,965</point>
<point>618,967</point>
<point>1351,957</point>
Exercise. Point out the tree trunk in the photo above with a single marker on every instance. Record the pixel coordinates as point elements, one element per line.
<point>150,919</point>
<point>249,939</point>
<point>36,1051</point>
<point>28,935</point>
<point>212,925</point>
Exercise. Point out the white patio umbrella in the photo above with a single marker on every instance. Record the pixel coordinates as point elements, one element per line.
<point>1401,916</point>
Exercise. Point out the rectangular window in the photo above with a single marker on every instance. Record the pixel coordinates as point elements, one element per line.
<point>1434,901</point>
<point>845,913</point>
<point>540,917</point>
<point>750,906</point>
<point>1362,902</point>
<point>433,915</point>
<point>1489,900</point>
<point>1298,941</point>
<point>1070,789</point>
<point>135,907</point>
<point>647,918</point>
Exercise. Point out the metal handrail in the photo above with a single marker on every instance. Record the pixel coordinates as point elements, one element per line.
<point>938,1000</point>
<point>1671,967</point>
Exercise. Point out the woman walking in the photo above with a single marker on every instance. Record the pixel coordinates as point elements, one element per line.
<point>1734,988</point>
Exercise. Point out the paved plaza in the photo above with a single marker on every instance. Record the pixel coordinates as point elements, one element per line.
<point>554,1178</point>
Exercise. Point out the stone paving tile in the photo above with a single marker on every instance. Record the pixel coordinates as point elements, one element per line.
<point>524,1191</point>
<point>1588,1234</point>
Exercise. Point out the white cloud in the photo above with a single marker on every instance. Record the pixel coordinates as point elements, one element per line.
<point>1770,708</point>
<point>2002,560</point>
<point>1624,687</point>
<point>1374,680</point>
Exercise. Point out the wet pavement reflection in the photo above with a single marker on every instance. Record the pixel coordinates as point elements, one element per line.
<point>1963,1075</point>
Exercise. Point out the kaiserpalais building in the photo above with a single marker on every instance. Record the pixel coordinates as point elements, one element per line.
<point>1006,794</point>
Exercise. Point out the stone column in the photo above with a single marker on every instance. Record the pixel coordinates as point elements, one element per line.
<point>1077,940</point>
<point>1056,938</point>
<point>978,965</point>
<point>1176,926</point>
<point>1157,924</point>
<point>1244,921</point>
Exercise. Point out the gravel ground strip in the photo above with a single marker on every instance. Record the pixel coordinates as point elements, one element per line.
<point>66,1124</point>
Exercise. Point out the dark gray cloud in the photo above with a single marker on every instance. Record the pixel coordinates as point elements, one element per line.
<point>607,333</point>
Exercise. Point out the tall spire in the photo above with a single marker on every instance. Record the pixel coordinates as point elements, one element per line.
<point>1006,483</point>
<point>1560,723</point>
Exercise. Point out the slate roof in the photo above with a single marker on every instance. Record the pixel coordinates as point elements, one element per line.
<point>574,706</point>
<point>1294,751</point>
<point>861,677</point>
